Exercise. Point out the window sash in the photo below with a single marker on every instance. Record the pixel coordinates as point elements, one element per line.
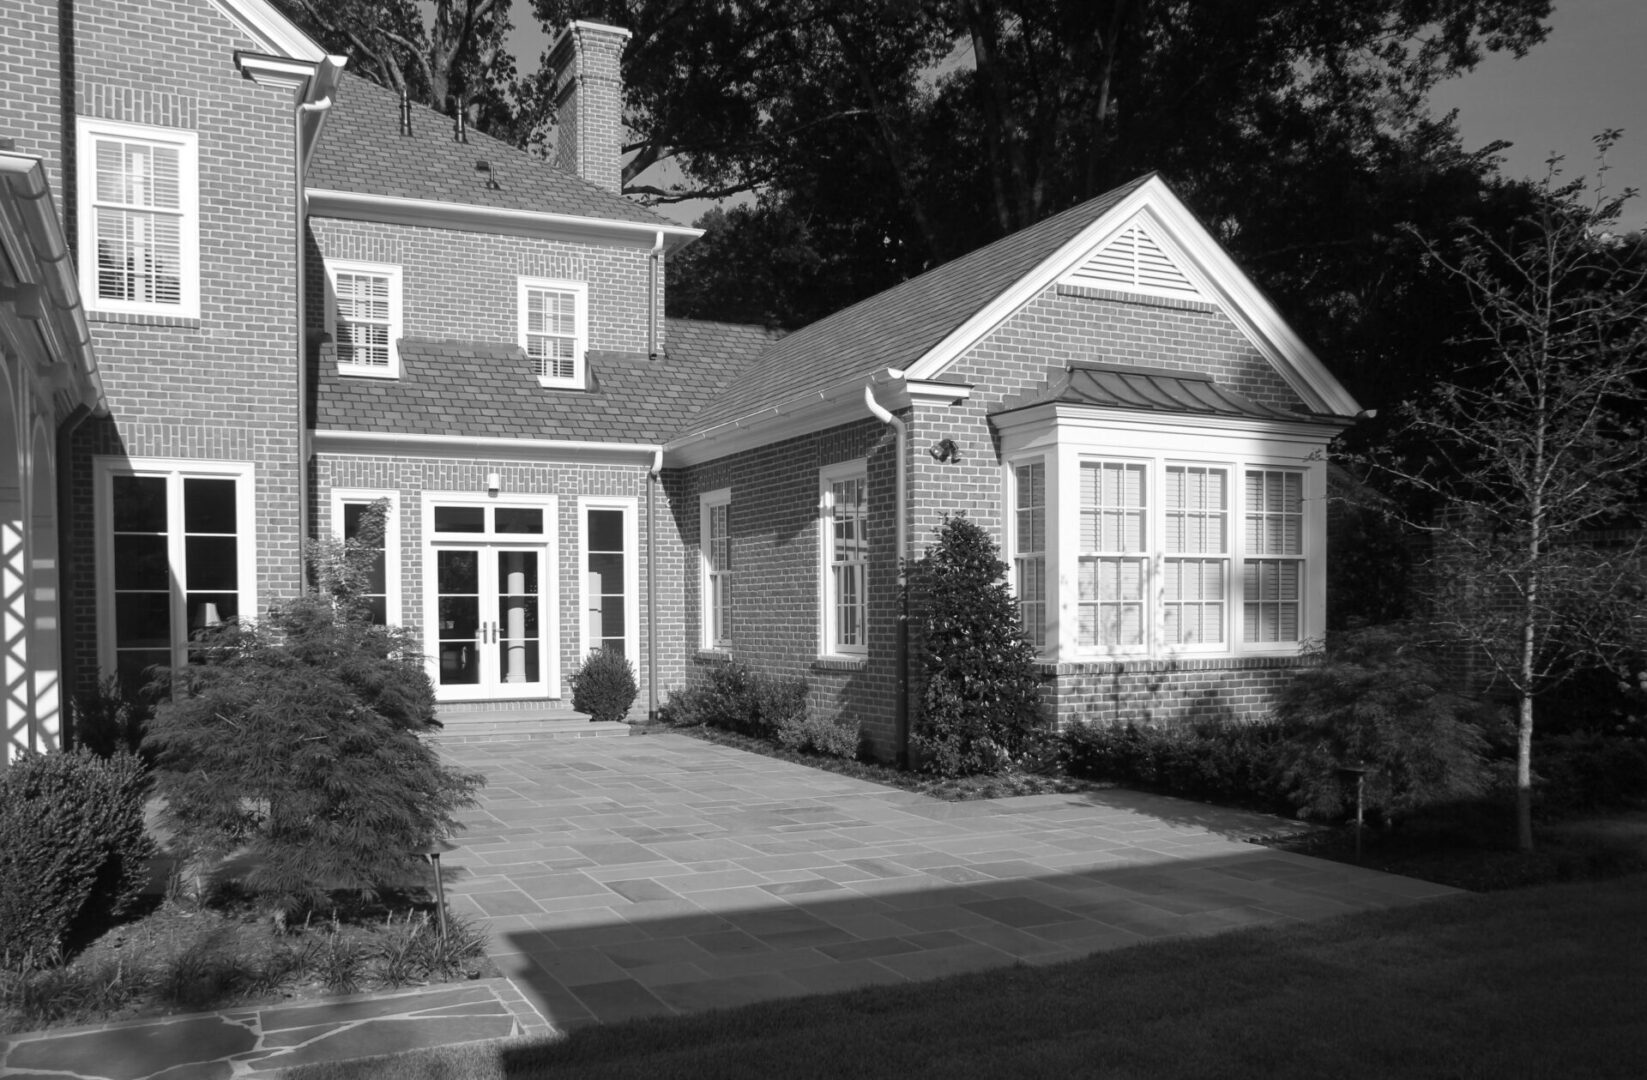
<point>848,564</point>
<point>1114,560</point>
<point>1194,584</point>
<point>364,318</point>
<point>552,332</point>
<point>138,221</point>
<point>1030,550</point>
<point>718,564</point>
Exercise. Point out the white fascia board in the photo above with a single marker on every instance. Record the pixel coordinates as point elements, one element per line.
<point>332,441</point>
<point>276,70</point>
<point>469,217</point>
<point>273,32</point>
<point>1078,417</point>
<point>902,393</point>
<point>1258,319</point>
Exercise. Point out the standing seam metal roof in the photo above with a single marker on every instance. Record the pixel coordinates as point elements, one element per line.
<point>1147,390</point>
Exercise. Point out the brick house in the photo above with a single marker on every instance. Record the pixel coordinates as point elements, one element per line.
<point>298,295</point>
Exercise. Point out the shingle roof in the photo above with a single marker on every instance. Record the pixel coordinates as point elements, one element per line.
<point>896,327</point>
<point>361,150</point>
<point>1146,389</point>
<point>467,388</point>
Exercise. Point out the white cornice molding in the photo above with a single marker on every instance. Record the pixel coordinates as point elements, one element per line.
<point>1314,431</point>
<point>900,393</point>
<point>387,443</point>
<point>273,32</point>
<point>276,70</point>
<point>1207,263</point>
<point>469,217</point>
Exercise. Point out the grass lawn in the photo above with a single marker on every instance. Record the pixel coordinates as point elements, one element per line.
<point>1536,982</point>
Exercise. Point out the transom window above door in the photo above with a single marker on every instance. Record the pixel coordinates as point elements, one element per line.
<point>522,521</point>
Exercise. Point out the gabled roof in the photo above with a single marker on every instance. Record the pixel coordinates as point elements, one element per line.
<point>897,327</point>
<point>1116,386</point>
<point>364,152</point>
<point>466,388</point>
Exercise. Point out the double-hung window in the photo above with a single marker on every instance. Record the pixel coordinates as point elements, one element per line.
<point>554,320</point>
<point>1273,572</point>
<point>363,316</point>
<point>1114,565</point>
<point>715,519</point>
<point>1029,549</point>
<point>175,557</point>
<point>1194,564</point>
<point>139,218</point>
<point>844,517</point>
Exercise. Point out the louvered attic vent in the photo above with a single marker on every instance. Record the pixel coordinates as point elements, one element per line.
<point>1133,261</point>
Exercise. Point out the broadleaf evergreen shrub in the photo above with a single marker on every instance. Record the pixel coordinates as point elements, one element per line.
<point>981,707</point>
<point>107,720</point>
<point>730,694</point>
<point>1249,764</point>
<point>73,847</point>
<point>604,686</point>
<point>296,740</point>
<point>812,734</point>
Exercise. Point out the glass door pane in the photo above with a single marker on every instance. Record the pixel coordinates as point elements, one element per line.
<point>458,594</point>
<point>519,632</point>
<point>606,588</point>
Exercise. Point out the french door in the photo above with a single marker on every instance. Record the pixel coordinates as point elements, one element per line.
<point>491,609</point>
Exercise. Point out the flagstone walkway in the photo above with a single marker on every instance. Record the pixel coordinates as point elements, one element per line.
<point>661,875</point>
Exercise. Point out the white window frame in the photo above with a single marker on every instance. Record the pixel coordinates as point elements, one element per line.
<point>580,308</point>
<point>1147,554</point>
<point>1069,437</point>
<point>1015,552</point>
<point>104,469</point>
<point>829,631</point>
<point>391,541</point>
<point>89,132</point>
<point>1163,556</point>
<point>716,625</point>
<point>631,573</point>
<point>397,327</point>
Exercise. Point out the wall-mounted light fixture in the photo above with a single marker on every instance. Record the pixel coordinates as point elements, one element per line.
<point>493,483</point>
<point>944,450</point>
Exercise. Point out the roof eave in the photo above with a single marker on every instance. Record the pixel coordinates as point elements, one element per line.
<point>470,217</point>
<point>274,33</point>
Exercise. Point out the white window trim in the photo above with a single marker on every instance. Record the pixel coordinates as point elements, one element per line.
<point>706,620</point>
<point>87,131</point>
<point>828,631</point>
<point>391,540</point>
<point>580,294</point>
<point>397,326</point>
<point>1009,546</point>
<point>104,469</point>
<point>631,573</point>
<point>1068,438</point>
<point>550,584</point>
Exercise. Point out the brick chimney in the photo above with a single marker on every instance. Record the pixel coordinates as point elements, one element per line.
<point>589,102</point>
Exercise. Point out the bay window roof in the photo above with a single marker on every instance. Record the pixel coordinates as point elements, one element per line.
<point>1162,390</point>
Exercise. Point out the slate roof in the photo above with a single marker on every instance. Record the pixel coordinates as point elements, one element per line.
<point>361,150</point>
<point>467,388</point>
<point>896,327</point>
<point>1146,389</point>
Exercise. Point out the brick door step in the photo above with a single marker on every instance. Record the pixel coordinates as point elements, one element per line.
<point>505,725</point>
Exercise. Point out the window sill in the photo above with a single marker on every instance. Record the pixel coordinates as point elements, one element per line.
<point>136,318</point>
<point>357,372</point>
<point>840,663</point>
<point>561,384</point>
<point>713,656</point>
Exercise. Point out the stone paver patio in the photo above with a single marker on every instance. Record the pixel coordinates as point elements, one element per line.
<point>661,875</point>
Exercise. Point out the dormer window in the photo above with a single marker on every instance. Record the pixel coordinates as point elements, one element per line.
<point>363,317</point>
<point>554,321</point>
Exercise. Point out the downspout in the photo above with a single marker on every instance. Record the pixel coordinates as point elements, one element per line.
<point>65,495</point>
<point>900,709</point>
<point>303,439</point>
<point>652,298</point>
<point>652,587</point>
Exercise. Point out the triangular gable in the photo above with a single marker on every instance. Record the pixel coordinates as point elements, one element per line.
<point>1153,238</point>
<point>1133,261</point>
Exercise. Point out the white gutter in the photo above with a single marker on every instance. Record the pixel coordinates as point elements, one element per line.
<point>469,217</point>
<point>900,706</point>
<point>365,442</point>
<point>652,478</point>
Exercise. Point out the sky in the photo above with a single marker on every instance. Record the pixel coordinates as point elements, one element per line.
<point>1589,74</point>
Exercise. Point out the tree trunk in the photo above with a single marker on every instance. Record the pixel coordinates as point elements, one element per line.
<point>1524,775</point>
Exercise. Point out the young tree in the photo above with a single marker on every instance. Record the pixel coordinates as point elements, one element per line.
<point>1521,459</point>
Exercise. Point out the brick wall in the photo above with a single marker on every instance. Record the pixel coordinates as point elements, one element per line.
<point>412,477</point>
<point>223,386</point>
<point>31,84</point>
<point>773,522</point>
<point>461,286</point>
<point>586,60</point>
<point>1167,692</point>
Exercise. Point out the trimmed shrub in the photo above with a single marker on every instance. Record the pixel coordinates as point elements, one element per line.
<point>1376,700</point>
<point>297,739</point>
<point>1249,764</point>
<point>73,848</point>
<point>818,735</point>
<point>981,702</point>
<point>731,695</point>
<point>604,686</point>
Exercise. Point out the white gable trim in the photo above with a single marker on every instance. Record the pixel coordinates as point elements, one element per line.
<point>1201,258</point>
<point>274,33</point>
